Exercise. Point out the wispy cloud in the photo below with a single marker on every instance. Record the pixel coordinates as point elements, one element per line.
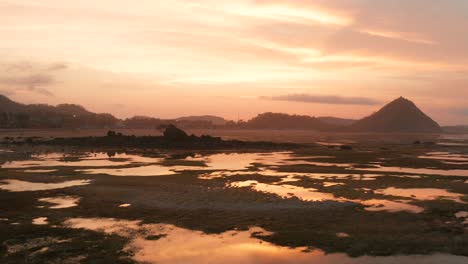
<point>31,77</point>
<point>33,82</point>
<point>323,99</point>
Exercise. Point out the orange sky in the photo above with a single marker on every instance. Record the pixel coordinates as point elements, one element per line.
<point>237,58</point>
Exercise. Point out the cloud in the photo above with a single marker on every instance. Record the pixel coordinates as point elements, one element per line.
<point>323,99</point>
<point>32,82</point>
<point>29,76</point>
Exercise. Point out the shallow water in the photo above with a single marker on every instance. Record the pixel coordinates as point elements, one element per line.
<point>61,202</point>
<point>390,206</point>
<point>222,163</point>
<point>79,160</point>
<point>424,171</point>
<point>25,186</point>
<point>444,156</point>
<point>310,194</point>
<point>286,191</point>
<point>178,245</point>
<point>40,221</point>
<point>422,193</point>
<point>151,170</point>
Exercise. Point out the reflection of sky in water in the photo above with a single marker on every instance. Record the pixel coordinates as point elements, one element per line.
<point>86,160</point>
<point>61,202</point>
<point>422,193</point>
<point>40,221</point>
<point>312,194</point>
<point>424,171</point>
<point>179,245</point>
<point>286,191</point>
<point>23,186</point>
<point>232,164</point>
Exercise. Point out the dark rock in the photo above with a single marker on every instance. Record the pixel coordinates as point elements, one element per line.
<point>346,147</point>
<point>174,133</point>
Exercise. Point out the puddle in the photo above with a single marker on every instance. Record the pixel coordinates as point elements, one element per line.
<point>40,221</point>
<point>79,160</point>
<point>342,235</point>
<point>447,158</point>
<point>286,191</point>
<point>330,184</point>
<point>424,171</point>
<point>39,171</point>
<point>172,244</point>
<point>422,193</point>
<point>311,194</point>
<point>289,179</point>
<point>273,173</point>
<point>218,162</point>
<point>61,202</point>
<point>24,186</point>
<point>152,170</point>
<point>390,206</point>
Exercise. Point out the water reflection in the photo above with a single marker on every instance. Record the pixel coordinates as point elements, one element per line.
<point>168,244</point>
<point>61,202</point>
<point>24,186</point>
<point>425,171</point>
<point>151,170</point>
<point>286,191</point>
<point>224,163</point>
<point>311,194</point>
<point>40,221</point>
<point>79,160</point>
<point>422,193</point>
<point>390,206</point>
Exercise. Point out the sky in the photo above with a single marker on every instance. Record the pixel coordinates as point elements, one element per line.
<point>237,59</point>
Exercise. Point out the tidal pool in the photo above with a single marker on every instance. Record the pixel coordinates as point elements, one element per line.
<point>40,221</point>
<point>151,170</point>
<point>422,193</point>
<point>79,160</point>
<point>25,186</point>
<point>219,163</point>
<point>424,171</point>
<point>310,194</point>
<point>168,244</point>
<point>61,202</point>
<point>390,206</point>
<point>286,191</point>
<point>445,156</point>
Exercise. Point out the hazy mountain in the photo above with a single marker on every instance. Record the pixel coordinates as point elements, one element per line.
<point>16,115</point>
<point>336,121</point>
<point>7,105</point>
<point>215,120</point>
<point>401,115</point>
<point>285,121</point>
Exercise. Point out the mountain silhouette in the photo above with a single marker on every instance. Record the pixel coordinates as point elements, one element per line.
<point>285,121</point>
<point>16,115</point>
<point>400,115</point>
<point>215,120</point>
